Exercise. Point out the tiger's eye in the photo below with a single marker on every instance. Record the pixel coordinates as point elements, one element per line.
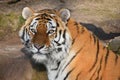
<point>32,30</point>
<point>51,31</point>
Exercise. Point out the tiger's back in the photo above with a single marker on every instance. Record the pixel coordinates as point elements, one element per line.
<point>94,61</point>
<point>67,49</point>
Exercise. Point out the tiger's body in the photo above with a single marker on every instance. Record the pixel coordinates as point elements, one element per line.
<point>67,49</point>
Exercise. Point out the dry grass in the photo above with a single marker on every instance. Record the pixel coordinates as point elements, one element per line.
<point>39,75</point>
<point>97,10</point>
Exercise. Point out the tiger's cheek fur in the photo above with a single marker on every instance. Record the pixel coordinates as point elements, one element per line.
<point>24,36</point>
<point>60,45</point>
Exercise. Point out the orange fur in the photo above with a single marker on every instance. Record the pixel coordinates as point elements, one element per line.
<point>92,60</point>
<point>85,62</point>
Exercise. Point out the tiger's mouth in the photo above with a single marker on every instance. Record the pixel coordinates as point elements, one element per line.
<point>36,49</point>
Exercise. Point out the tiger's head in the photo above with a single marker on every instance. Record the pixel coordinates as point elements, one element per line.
<point>45,33</point>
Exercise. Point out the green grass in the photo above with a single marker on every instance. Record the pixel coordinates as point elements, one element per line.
<point>10,24</point>
<point>39,75</point>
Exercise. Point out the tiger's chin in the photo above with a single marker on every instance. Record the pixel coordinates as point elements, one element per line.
<point>40,58</point>
<point>39,52</point>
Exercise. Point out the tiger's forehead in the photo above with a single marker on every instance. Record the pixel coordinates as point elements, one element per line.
<point>43,16</point>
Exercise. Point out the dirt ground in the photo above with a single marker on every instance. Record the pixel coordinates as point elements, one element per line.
<point>102,17</point>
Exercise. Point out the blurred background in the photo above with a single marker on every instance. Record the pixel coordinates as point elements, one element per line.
<point>102,17</point>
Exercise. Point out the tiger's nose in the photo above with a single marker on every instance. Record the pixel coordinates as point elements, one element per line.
<point>38,46</point>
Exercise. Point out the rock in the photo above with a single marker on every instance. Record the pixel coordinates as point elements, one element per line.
<point>115,44</point>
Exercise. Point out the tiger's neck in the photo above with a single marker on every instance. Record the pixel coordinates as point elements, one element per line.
<point>80,35</point>
<point>55,69</point>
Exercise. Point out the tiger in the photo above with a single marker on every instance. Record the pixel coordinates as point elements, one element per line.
<point>66,48</point>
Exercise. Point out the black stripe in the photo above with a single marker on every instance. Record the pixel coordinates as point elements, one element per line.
<point>68,63</point>
<point>49,22</point>
<point>58,44</point>
<point>44,15</point>
<point>99,69</point>
<point>77,77</point>
<point>100,78</point>
<point>73,41</point>
<point>106,57</point>
<point>64,37</point>
<point>104,47</point>
<point>75,23</point>
<point>64,33</point>
<point>93,74</point>
<point>96,56</point>
<point>116,58</point>
<point>97,78</point>
<point>94,37</point>
<point>37,19</point>
<point>27,44</point>
<point>68,74</point>
<point>90,37</point>
<point>32,25</point>
<point>54,27</point>
<point>77,27</point>
<point>57,25</point>
<point>59,49</point>
<point>72,58</point>
<point>68,19</point>
<point>56,32</point>
<point>82,30</point>
<point>59,35</point>
<point>119,78</point>
<point>26,33</point>
<point>48,19</point>
<point>23,34</point>
<point>66,24</point>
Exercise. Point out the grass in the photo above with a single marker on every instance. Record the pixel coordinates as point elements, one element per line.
<point>39,72</point>
<point>10,24</point>
<point>39,75</point>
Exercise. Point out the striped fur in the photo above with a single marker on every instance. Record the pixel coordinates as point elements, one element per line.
<point>67,49</point>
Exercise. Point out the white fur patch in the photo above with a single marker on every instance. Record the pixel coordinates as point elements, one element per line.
<point>39,58</point>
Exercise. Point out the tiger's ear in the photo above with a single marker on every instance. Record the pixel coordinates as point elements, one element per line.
<point>27,12</point>
<point>64,14</point>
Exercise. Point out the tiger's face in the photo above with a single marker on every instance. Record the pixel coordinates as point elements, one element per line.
<point>45,33</point>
